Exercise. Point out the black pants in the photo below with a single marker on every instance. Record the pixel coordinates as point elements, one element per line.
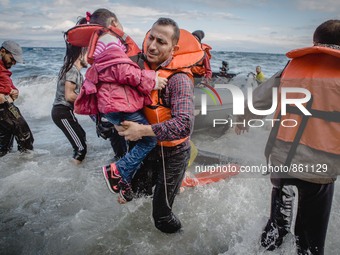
<point>314,207</point>
<point>13,125</point>
<point>64,118</point>
<point>152,173</point>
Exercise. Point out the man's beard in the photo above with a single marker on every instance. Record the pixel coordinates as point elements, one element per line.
<point>6,64</point>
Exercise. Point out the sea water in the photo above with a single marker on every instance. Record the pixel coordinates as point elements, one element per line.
<point>50,206</point>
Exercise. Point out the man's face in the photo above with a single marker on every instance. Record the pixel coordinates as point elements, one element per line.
<point>83,60</point>
<point>159,45</point>
<point>7,58</point>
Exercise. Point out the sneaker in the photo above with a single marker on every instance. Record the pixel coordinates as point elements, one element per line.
<point>112,177</point>
<point>272,236</point>
<point>125,193</point>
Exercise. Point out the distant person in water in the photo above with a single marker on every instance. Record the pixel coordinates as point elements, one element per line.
<point>224,68</point>
<point>12,123</point>
<point>69,83</point>
<point>259,75</point>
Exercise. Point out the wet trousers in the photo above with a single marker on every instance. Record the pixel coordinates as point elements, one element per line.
<point>314,207</point>
<point>167,182</point>
<point>13,125</point>
<point>64,118</point>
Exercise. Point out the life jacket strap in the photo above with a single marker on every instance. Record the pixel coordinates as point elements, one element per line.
<point>297,138</point>
<point>327,116</point>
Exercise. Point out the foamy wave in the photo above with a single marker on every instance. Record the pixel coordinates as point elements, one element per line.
<point>36,96</point>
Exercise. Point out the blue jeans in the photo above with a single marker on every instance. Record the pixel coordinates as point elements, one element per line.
<point>130,162</point>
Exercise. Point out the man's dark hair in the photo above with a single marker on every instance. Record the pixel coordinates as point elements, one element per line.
<point>328,33</point>
<point>169,22</point>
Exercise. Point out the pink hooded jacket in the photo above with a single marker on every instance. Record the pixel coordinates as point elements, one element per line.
<point>119,83</point>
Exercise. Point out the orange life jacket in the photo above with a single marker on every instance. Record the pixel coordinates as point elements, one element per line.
<point>189,53</point>
<point>86,35</point>
<point>199,68</point>
<point>80,35</point>
<point>317,70</point>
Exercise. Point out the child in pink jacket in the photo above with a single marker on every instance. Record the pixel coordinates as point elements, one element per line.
<point>122,90</point>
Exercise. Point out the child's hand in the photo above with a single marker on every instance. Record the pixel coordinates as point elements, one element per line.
<point>160,82</point>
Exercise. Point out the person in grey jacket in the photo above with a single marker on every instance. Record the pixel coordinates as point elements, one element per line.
<point>309,159</point>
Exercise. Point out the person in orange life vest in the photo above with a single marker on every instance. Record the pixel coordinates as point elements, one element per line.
<point>313,143</point>
<point>203,68</point>
<point>173,133</point>
<point>122,89</point>
<point>12,123</point>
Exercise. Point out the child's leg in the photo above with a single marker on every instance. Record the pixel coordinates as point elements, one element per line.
<point>129,164</point>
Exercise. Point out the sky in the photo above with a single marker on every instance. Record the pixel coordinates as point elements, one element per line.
<point>268,26</point>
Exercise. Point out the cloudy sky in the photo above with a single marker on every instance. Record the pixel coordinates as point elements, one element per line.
<point>273,26</point>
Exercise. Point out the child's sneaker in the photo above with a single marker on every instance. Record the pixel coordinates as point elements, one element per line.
<point>112,177</point>
<point>125,193</point>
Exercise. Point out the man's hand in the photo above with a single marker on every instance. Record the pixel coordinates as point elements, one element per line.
<point>2,98</point>
<point>132,131</point>
<point>14,94</point>
<point>160,82</point>
<point>119,128</point>
<point>239,129</point>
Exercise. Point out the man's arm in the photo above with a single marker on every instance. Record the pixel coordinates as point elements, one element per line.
<point>207,66</point>
<point>133,131</point>
<point>262,100</point>
<point>7,87</point>
<point>6,84</point>
<point>263,94</point>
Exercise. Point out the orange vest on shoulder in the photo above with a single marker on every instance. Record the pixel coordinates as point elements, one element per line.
<point>199,69</point>
<point>189,53</point>
<point>86,35</point>
<point>317,70</point>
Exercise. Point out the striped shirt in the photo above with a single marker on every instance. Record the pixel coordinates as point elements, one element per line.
<point>106,42</point>
<point>179,96</point>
